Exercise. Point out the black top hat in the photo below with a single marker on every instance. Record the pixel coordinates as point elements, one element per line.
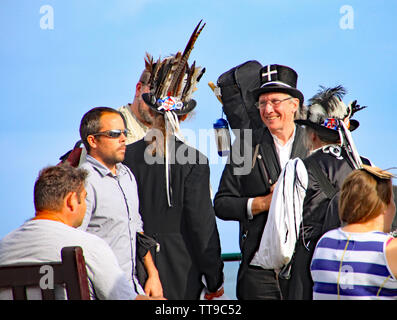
<point>278,78</point>
<point>326,110</point>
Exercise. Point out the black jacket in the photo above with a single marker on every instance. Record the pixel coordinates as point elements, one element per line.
<point>234,190</point>
<point>315,217</point>
<point>187,232</point>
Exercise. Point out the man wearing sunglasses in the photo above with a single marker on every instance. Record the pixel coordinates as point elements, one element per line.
<point>246,197</point>
<point>112,199</point>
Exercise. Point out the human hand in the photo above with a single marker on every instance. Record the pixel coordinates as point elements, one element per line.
<point>262,203</point>
<point>153,287</point>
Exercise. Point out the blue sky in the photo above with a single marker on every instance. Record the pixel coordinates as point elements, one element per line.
<point>94,54</point>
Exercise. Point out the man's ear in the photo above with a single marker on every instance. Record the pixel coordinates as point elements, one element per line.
<point>71,201</point>
<point>295,102</point>
<point>138,89</point>
<point>92,141</point>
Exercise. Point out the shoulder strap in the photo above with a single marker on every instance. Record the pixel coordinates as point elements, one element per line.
<point>325,184</point>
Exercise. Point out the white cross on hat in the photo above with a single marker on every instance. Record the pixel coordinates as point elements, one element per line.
<point>269,73</point>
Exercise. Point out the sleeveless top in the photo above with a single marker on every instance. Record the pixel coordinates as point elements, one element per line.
<point>352,266</point>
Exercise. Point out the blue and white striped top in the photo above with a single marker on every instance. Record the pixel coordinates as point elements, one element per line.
<point>352,266</point>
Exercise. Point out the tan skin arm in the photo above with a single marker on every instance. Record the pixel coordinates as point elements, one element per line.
<point>153,287</point>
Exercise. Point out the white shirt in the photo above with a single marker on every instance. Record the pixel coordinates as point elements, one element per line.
<point>42,241</point>
<point>283,151</point>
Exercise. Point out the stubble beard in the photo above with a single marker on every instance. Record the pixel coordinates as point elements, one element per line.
<point>144,114</point>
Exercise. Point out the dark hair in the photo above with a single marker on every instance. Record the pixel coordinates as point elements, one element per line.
<point>90,123</point>
<point>54,183</point>
<point>363,196</point>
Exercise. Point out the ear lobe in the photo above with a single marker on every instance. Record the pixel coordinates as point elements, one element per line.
<point>91,141</point>
<point>296,104</point>
<point>138,88</point>
<point>71,201</point>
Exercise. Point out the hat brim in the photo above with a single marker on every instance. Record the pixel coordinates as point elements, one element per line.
<point>151,101</point>
<point>274,88</point>
<point>326,132</point>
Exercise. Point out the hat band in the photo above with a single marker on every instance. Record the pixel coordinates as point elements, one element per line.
<point>276,82</point>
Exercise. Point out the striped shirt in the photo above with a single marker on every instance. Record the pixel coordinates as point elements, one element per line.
<point>352,266</point>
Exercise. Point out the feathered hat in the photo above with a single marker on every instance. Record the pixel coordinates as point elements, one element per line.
<point>326,109</point>
<point>172,81</point>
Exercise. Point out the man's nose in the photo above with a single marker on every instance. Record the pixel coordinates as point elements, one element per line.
<point>267,107</point>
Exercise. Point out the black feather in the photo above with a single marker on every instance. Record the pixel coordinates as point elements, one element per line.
<point>330,99</point>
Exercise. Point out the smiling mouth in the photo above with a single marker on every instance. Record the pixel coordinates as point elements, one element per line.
<point>272,118</point>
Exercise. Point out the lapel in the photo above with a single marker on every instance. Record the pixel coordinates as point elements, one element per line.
<point>298,147</point>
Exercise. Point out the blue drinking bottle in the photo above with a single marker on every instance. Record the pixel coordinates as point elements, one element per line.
<point>222,137</point>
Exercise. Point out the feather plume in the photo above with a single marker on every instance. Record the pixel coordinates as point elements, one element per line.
<point>196,76</point>
<point>163,77</point>
<point>182,64</point>
<point>355,107</point>
<point>154,74</point>
<point>327,103</point>
<point>175,65</point>
<point>187,81</point>
<point>149,63</point>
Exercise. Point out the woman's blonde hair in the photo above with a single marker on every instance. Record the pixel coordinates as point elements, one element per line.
<point>363,196</point>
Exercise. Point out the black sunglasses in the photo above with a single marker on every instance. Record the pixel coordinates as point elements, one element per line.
<point>115,133</point>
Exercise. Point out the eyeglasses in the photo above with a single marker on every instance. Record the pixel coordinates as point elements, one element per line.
<point>274,102</point>
<point>115,133</point>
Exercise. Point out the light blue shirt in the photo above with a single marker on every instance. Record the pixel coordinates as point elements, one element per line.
<point>113,211</point>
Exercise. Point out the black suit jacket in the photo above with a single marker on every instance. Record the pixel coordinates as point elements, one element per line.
<point>187,231</point>
<point>234,190</point>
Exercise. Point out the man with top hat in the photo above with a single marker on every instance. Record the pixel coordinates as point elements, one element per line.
<point>332,157</point>
<point>173,186</point>
<point>246,197</point>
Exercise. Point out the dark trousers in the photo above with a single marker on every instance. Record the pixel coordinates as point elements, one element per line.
<point>300,284</point>
<point>255,283</point>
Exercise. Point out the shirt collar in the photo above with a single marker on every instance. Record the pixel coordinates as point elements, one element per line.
<point>103,170</point>
<point>278,142</point>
